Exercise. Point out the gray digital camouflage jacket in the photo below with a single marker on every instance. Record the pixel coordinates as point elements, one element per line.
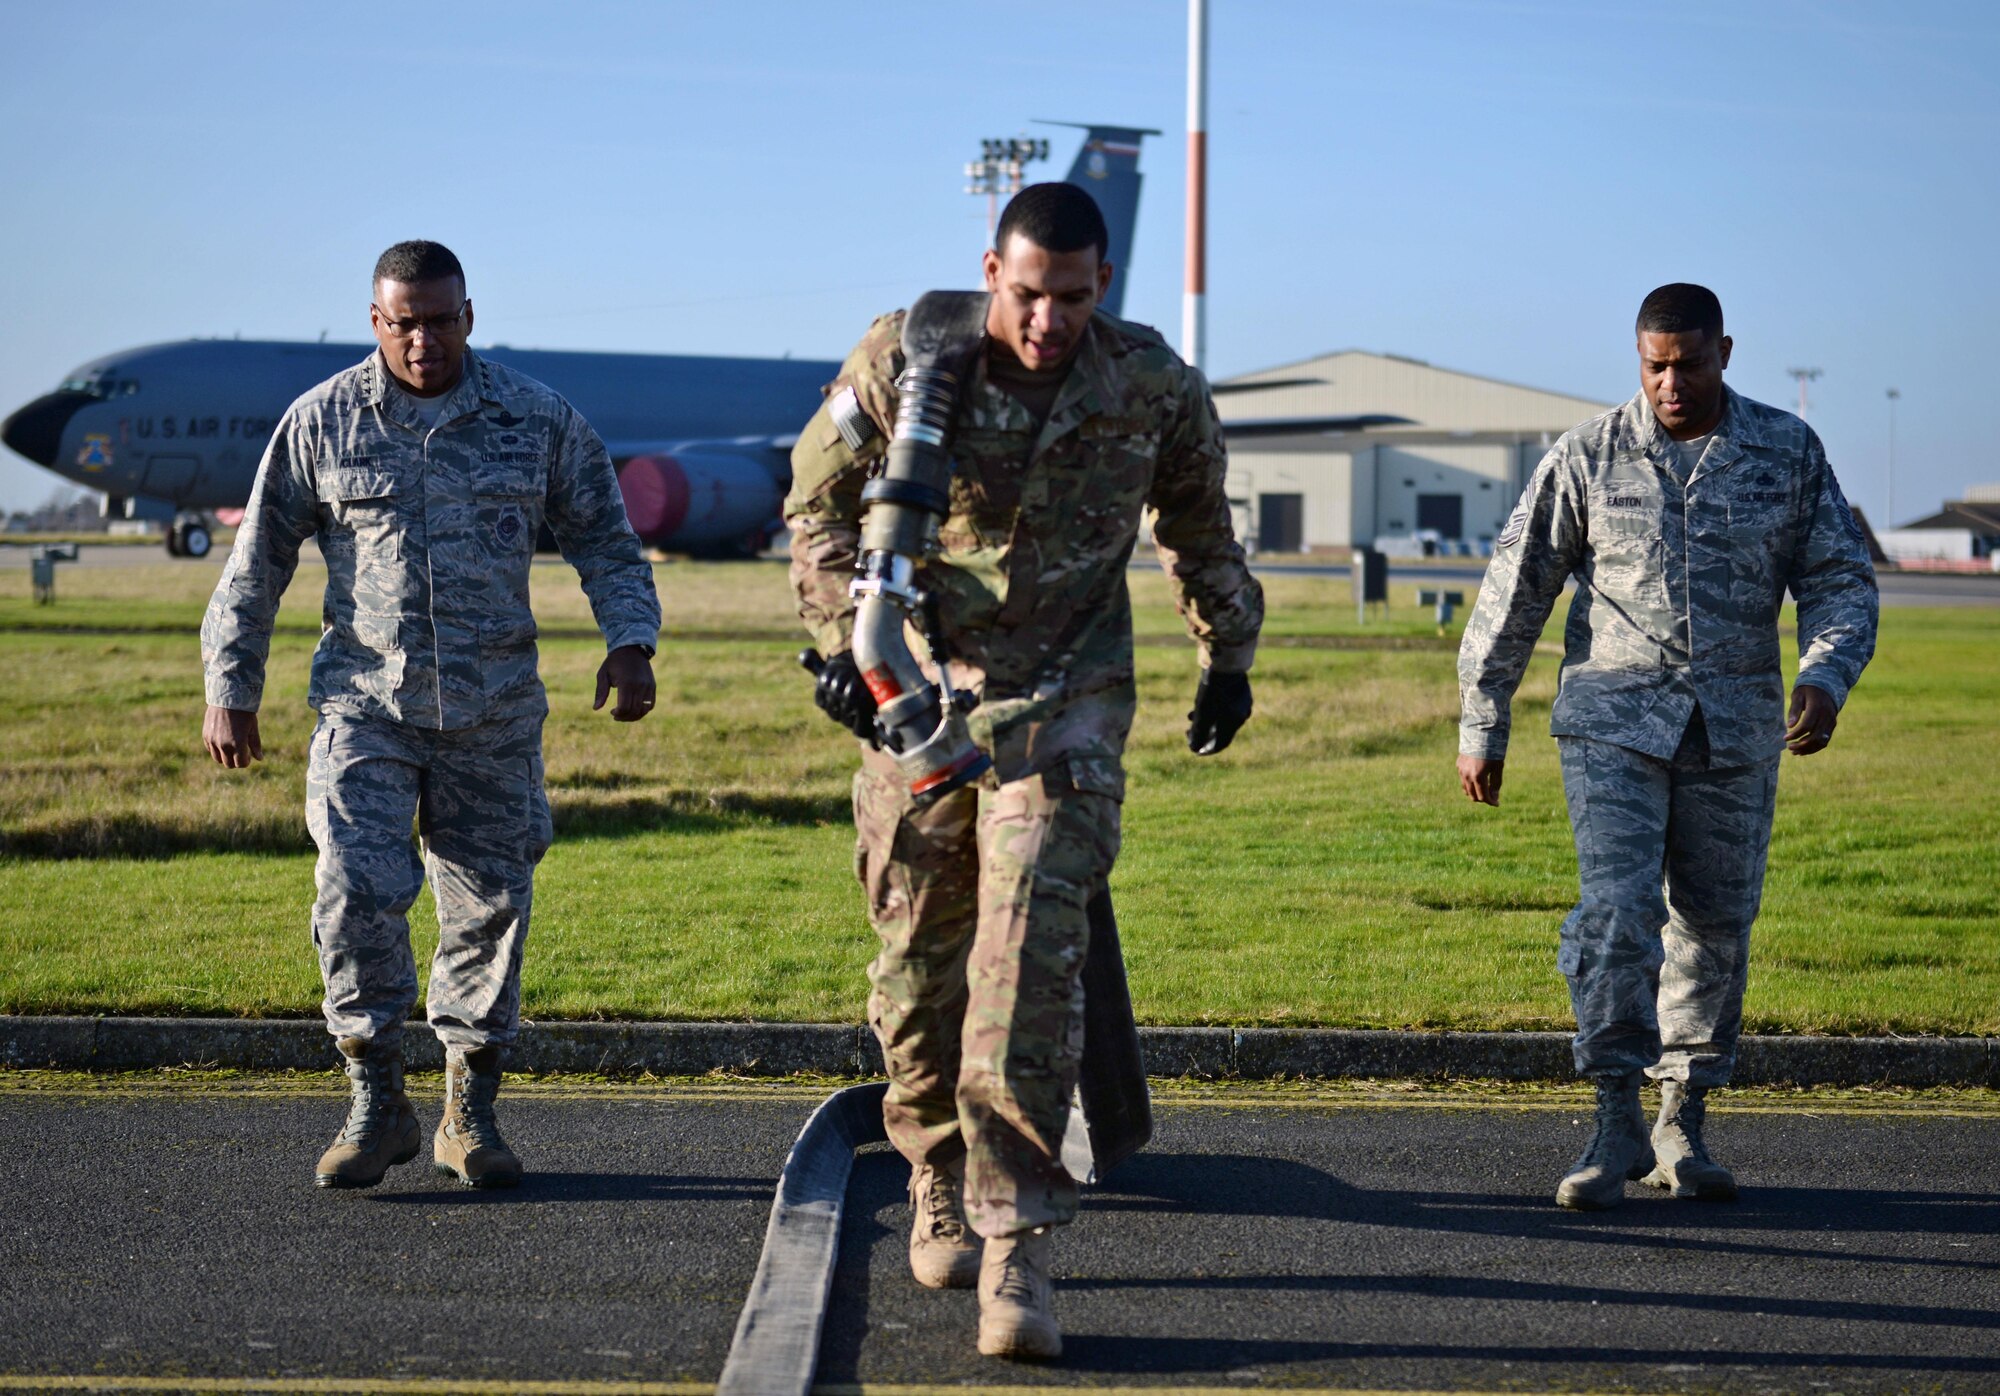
<point>428,535</point>
<point>1678,592</point>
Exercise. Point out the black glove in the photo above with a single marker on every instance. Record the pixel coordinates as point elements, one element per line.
<point>841,694</point>
<point>1221,706</point>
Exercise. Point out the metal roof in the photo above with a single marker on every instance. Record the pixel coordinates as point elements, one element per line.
<point>1353,381</point>
<point>1983,519</point>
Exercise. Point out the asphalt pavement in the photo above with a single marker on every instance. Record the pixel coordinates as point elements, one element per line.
<point>1319,1239</point>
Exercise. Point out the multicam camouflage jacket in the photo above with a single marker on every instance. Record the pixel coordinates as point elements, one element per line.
<point>1032,558</point>
<point>428,534</point>
<point>1678,591</point>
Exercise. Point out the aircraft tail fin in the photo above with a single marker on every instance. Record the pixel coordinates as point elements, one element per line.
<point>1107,167</point>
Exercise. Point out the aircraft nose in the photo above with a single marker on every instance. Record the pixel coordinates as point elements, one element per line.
<point>36,430</point>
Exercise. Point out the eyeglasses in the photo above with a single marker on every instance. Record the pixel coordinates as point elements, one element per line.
<point>435,325</point>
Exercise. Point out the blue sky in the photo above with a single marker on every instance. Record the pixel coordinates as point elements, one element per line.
<point>1488,185</point>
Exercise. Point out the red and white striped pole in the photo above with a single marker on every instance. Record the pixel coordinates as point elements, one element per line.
<point>1193,300</point>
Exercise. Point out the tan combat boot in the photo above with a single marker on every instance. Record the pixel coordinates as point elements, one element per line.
<point>944,1251</point>
<point>468,1144</point>
<point>1015,1316</point>
<point>1683,1161</point>
<point>1618,1152</point>
<point>381,1130</point>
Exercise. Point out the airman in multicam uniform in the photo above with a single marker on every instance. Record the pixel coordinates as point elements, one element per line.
<point>426,474</point>
<point>1684,517</point>
<point>1073,423</point>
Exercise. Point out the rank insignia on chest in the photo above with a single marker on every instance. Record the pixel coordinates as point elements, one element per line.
<point>507,528</point>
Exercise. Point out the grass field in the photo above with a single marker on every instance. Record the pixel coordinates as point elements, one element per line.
<point>1323,871</point>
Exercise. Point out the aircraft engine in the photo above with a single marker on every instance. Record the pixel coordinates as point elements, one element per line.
<point>700,500</point>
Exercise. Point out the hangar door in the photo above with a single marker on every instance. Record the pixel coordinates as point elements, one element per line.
<point>1443,512</point>
<point>1281,523</point>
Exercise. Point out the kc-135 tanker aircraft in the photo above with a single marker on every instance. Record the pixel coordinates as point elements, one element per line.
<point>174,432</point>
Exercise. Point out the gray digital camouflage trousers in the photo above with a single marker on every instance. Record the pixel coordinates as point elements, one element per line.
<point>980,902</point>
<point>476,797</point>
<point>1673,846</point>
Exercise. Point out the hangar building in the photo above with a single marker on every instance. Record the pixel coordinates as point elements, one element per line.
<point>1964,530</point>
<point>1455,470</point>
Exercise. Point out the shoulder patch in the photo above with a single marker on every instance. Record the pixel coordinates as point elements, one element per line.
<point>1517,522</point>
<point>1845,514</point>
<point>854,424</point>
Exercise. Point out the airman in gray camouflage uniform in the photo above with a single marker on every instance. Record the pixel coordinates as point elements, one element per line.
<point>1072,423</point>
<point>1684,517</point>
<point>426,474</point>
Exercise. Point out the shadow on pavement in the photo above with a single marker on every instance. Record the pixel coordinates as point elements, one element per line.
<point>1250,1185</point>
<point>1095,1353</point>
<point>877,1198</point>
<point>537,1188</point>
<point>1516,1291</point>
<point>1198,1185</point>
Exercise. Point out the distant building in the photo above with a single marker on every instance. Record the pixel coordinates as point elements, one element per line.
<point>1964,530</point>
<point>1454,473</point>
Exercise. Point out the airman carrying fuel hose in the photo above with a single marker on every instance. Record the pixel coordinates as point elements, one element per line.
<point>920,722</point>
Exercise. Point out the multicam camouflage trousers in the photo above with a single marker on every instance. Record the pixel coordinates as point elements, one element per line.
<point>476,796</point>
<point>1662,844</point>
<point>979,900</point>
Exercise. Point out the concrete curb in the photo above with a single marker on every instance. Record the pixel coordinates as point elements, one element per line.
<point>839,1049</point>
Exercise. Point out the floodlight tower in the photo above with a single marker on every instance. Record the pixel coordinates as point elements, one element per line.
<point>998,169</point>
<point>1805,376</point>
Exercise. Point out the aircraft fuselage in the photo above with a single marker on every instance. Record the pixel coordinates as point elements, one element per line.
<point>181,427</point>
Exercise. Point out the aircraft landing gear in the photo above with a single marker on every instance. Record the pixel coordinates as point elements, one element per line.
<point>189,536</point>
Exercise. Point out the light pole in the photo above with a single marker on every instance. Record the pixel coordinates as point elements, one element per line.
<point>997,171</point>
<point>1890,522</point>
<point>1805,376</point>
<point>1194,307</point>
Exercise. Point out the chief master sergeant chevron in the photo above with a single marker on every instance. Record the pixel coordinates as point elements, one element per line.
<point>426,474</point>
<point>1071,424</point>
<point>1684,516</point>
